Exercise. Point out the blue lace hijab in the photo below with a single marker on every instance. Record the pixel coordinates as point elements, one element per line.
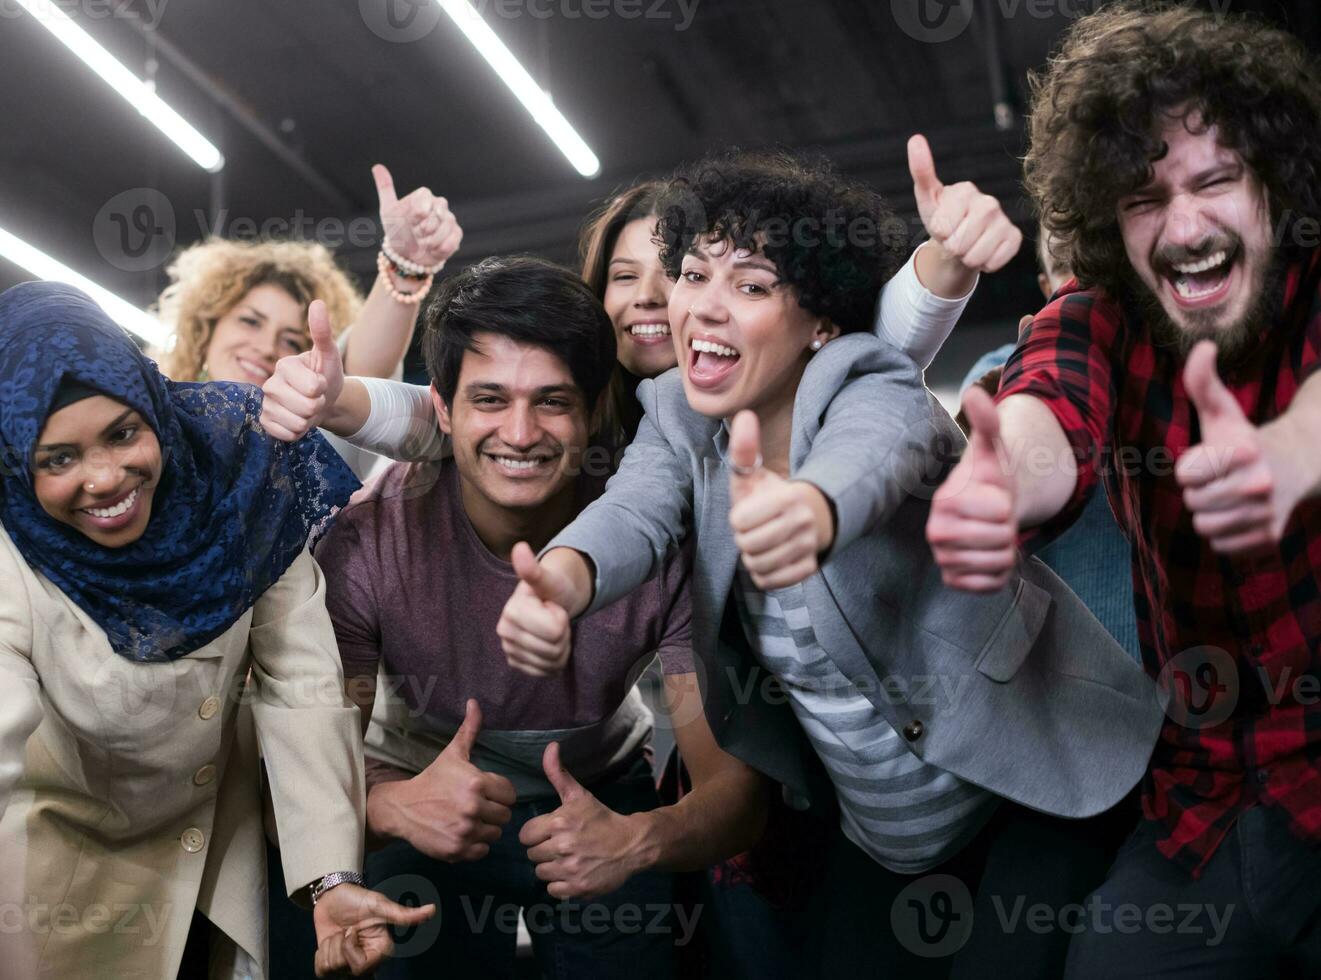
<point>233,509</point>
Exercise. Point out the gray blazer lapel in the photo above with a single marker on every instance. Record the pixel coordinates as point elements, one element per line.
<point>717,557</point>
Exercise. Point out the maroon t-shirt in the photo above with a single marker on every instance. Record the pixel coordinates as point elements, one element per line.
<point>412,589</point>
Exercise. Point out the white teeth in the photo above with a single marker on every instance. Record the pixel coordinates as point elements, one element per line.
<point>517,464</point>
<point>650,329</point>
<point>710,347</point>
<point>1205,265</point>
<point>120,508</point>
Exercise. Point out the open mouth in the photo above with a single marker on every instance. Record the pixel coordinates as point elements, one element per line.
<point>118,513</point>
<point>1204,282</point>
<point>520,466</point>
<point>710,363</point>
<point>651,332</point>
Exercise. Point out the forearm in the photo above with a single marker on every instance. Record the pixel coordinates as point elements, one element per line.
<point>722,817</point>
<point>350,411</point>
<point>1298,430</point>
<point>381,334</point>
<point>916,318</point>
<point>1038,456</point>
<point>578,572</point>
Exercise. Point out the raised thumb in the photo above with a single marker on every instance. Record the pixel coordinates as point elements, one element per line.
<point>744,452</point>
<point>1208,393</point>
<point>466,736</point>
<point>922,168</point>
<point>984,434</point>
<point>568,787</point>
<point>323,340</point>
<point>527,568</point>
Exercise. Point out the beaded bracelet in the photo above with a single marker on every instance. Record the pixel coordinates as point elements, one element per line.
<point>386,267</point>
<point>409,269</point>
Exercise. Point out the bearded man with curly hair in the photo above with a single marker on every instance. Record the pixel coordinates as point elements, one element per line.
<point>1174,156</point>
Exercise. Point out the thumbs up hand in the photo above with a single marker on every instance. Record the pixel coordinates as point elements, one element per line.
<point>1238,482</point>
<point>971,227</point>
<point>419,226</point>
<point>534,627</point>
<point>451,810</point>
<point>781,527</point>
<point>973,526</point>
<point>583,849</point>
<point>303,389</point>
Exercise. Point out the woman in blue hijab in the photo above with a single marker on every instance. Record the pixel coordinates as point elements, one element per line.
<point>154,556</point>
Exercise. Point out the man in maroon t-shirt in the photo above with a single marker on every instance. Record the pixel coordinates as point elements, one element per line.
<point>469,761</point>
<point>1176,153</point>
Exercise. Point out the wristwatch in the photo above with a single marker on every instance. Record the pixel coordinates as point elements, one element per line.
<point>335,878</point>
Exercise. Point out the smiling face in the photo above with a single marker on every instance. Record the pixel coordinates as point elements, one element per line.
<point>264,326</point>
<point>95,468</point>
<point>740,336</point>
<point>518,424</point>
<point>1198,239</point>
<point>636,293</point>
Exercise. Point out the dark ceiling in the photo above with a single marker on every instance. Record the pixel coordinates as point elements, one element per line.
<point>302,96</point>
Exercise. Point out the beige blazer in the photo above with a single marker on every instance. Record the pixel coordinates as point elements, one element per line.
<point>129,793</point>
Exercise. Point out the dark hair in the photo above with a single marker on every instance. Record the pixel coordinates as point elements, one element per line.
<point>597,240</point>
<point>528,300</point>
<point>831,238</point>
<point>1097,107</point>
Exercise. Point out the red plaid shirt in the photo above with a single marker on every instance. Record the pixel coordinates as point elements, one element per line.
<point>1236,638</point>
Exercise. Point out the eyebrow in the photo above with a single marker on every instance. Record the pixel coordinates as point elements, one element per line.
<point>765,265</point>
<point>485,387</point>
<point>119,421</point>
<point>1234,167</point>
<point>256,312</point>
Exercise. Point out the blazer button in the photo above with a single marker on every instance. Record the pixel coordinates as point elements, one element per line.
<point>913,731</point>
<point>209,708</point>
<point>204,775</point>
<point>192,840</point>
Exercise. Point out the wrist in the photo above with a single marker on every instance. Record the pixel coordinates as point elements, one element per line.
<point>940,273</point>
<point>644,848</point>
<point>574,568</point>
<point>823,514</point>
<point>383,810</point>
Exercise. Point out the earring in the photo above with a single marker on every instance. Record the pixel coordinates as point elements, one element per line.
<point>816,345</point>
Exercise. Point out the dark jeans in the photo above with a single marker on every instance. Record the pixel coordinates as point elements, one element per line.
<point>1255,910</point>
<point>966,918</point>
<point>630,933</point>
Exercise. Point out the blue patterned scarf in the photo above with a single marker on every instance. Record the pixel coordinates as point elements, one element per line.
<point>234,507</point>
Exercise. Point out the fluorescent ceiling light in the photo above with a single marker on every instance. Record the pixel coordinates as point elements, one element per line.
<point>43,266</point>
<point>535,99</point>
<point>134,90</point>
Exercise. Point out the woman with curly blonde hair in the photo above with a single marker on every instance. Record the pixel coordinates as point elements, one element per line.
<point>237,307</point>
<point>210,292</point>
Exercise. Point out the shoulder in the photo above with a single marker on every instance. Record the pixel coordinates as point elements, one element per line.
<point>389,500</point>
<point>1093,311</point>
<point>665,404</point>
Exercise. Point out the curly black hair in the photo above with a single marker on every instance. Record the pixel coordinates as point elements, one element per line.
<point>835,241</point>
<point>1097,108</point>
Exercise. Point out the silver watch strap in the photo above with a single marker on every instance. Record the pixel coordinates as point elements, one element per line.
<point>333,879</point>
